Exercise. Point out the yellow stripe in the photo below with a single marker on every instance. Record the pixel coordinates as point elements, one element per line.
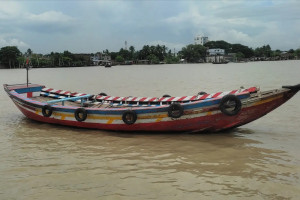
<point>110,121</point>
<point>104,117</point>
<point>268,100</point>
<point>158,119</point>
<point>209,113</point>
<point>108,118</point>
<point>62,114</point>
<point>153,116</point>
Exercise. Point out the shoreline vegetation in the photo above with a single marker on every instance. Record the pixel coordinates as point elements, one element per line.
<point>11,57</point>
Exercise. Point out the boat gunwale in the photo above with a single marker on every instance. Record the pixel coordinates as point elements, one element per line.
<point>159,108</point>
<point>246,97</point>
<point>198,115</point>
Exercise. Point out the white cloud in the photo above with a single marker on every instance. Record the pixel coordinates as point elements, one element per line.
<point>48,17</point>
<point>14,16</point>
<point>250,23</point>
<point>12,42</point>
<point>49,26</point>
<point>9,9</point>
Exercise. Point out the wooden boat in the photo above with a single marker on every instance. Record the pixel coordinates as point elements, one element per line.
<point>220,62</point>
<point>201,112</point>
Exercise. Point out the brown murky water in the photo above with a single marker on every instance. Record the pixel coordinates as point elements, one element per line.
<point>257,161</point>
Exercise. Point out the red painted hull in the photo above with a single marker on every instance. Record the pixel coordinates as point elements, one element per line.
<point>213,122</point>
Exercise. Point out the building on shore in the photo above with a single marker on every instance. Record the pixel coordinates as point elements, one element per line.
<point>201,40</point>
<point>213,52</point>
<point>215,55</point>
<point>100,59</point>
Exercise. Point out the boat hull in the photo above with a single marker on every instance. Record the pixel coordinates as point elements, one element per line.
<point>196,117</point>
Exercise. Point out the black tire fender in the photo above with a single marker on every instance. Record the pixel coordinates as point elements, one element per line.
<point>201,93</point>
<point>175,110</point>
<point>80,114</point>
<point>47,110</point>
<point>103,94</point>
<point>224,105</point>
<point>129,117</point>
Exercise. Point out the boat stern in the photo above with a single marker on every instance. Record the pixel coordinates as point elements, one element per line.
<point>26,90</point>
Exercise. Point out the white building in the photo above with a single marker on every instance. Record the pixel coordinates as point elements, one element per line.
<point>201,40</point>
<point>213,52</point>
<point>216,55</point>
<point>100,58</point>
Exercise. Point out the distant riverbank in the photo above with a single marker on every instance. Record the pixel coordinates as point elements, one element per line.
<point>135,64</point>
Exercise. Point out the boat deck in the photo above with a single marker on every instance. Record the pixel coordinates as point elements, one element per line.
<point>76,103</point>
<point>109,104</point>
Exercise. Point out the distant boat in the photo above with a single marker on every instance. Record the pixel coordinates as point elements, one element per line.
<point>201,112</point>
<point>220,62</point>
<point>108,64</point>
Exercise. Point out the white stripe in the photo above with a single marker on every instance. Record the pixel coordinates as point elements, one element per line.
<point>224,93</point>
<point>54,91</point>
<point>176,98</point>
<point>155,100</point>
<point>44,89</point>
<point>109,99</point>
<point>100,97</point>
<point>138,98</point>
<point>209,96</point>
<point>188,98</point>
<point>62,92</point>
<point>236,92</point>
<point>118,99</point>
<point>166,99</point>
<point>130,98</point>
<point>148,99</point>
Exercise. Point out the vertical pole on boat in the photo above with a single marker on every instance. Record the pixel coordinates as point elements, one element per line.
<point>27,68</point>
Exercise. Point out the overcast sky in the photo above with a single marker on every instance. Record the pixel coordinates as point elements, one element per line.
<point>82,26</point>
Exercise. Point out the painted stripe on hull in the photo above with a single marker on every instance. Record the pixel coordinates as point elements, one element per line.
<point>211,120</point>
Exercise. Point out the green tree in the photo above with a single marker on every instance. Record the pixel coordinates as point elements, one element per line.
<point>106,52</point>
<point>264,51</point>
<point>132,53</point>
<point>119,59</point>
<point>159,51</point>
<point>28,52</point>
<point>246,51</point>
<point>193,52</point>
<point>21,61</point>
<point>276,53</point>
<point>170,59</point>
<point>220,44</point>
<point>153,59</point>
<point>144,52</point>
<point>297,53</point>
<point>239,56</point>
<point>125,54</point>
<point>9,55</point>
<point>113,55</point>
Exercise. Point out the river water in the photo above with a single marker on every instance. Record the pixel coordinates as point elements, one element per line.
<point>259,160</point>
